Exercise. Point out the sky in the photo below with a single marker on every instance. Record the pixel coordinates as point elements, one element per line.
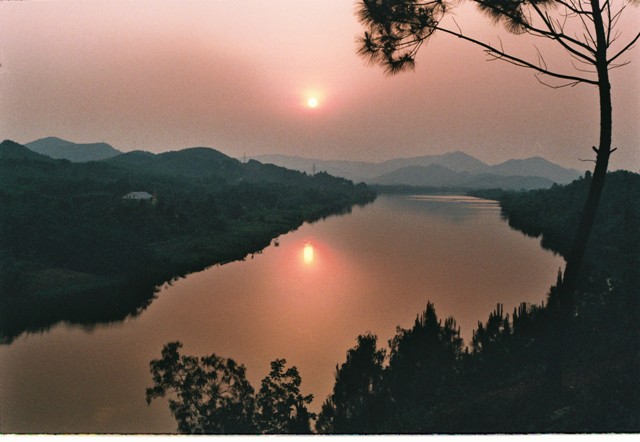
<point>163,75</point>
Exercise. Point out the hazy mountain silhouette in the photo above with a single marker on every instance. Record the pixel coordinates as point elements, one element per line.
<point>78,153</point>
<point>366,171</point>
<point>455,169</point>
<point>439,176</point>
<point>432,175</point>
<point>536,166</point>
<point>195,162</point>
<point>456,161</point>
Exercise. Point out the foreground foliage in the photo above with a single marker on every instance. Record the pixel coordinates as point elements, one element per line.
<point>281,408</point>
<point>211,395</point>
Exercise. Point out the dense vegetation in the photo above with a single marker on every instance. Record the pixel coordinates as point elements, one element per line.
<point>71,248</point>
<point>211,394</point>
<point>427,381</point>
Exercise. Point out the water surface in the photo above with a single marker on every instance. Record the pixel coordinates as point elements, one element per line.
<point>305,300</point>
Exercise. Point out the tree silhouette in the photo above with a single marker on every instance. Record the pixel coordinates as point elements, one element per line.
<point>209,394</point>
<point>352,406</point>
<point>588,32</point>
<point>487,338</point>
<point>423,370</point>
<point>281,408</point>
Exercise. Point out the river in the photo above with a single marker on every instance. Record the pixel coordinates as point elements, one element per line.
<point>305,300</point>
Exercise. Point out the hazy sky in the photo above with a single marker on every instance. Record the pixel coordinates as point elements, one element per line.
<point>163,75</point>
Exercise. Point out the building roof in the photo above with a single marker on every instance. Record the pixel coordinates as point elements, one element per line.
<point>137,196</point>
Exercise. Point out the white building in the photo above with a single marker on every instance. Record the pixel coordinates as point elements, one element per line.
<point>138,196</point>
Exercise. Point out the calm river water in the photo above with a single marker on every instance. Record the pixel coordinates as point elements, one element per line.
<point>305,300</point>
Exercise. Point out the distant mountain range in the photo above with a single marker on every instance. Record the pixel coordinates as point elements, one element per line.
<point>455,169</point>
<point>450,170</point>
<point>196,162</point>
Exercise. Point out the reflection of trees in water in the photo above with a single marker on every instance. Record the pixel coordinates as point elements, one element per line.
<point>38,314</point>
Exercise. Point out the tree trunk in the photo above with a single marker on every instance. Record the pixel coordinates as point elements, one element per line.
<point>576,256</point>
<point>566,292</point>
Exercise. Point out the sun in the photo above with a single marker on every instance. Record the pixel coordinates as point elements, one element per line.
<point>312,102</point>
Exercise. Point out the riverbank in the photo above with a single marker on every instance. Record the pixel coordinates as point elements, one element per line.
<point>75,231</point>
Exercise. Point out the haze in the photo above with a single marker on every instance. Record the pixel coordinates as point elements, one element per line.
<point>237,76</point>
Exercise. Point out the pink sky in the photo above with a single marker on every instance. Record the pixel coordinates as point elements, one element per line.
<point>163,75</point>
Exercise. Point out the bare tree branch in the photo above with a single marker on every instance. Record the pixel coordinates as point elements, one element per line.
<point>575,9</point>
<point>624,49</point>
<point>560,37</point>
<point>502,55</point>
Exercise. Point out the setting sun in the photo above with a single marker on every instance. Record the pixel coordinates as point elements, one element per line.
<point>312,102</point>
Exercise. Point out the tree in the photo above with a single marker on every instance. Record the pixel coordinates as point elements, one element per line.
<point>587,30</point>
<point>351,408</point>
<point>281,408</point>
<point>209,394</point>
<point>396,29</point>
<point>423,371</point>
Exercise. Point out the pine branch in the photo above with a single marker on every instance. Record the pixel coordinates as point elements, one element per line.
<point>517,61</point>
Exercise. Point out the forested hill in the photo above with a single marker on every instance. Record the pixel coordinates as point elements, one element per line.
<point>10,151</point>
<point>207,163</point>
<point>68,234</point>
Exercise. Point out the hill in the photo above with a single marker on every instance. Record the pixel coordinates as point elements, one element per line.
<point>536,166</point>
<point>197,162</point>
<point>456,161</point>
<point>10,150</point>
<point>78,153</point>
<point>206,163</point>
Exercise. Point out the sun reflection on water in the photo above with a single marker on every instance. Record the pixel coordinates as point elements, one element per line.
<point>308,254</point>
